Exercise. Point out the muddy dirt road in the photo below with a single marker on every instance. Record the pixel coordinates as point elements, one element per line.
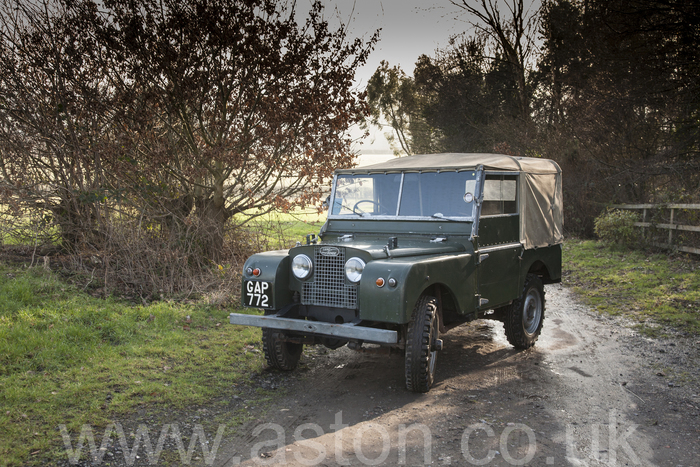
<point>590,393</point>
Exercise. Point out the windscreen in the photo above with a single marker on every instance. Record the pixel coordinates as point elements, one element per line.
<point>375,195</point>
<point>407,195</point>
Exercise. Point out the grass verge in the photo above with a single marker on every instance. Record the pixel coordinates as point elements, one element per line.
<point>658,291</point>
<point>67,358</point>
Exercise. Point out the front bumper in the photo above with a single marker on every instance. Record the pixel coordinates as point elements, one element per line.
<point>344,331</point>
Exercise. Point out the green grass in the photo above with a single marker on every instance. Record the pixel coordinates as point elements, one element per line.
<point>283,230</point>
<point>68,358</point>
<point>658,291</point>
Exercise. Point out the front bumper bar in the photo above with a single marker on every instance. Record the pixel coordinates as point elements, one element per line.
<point>345,331</point>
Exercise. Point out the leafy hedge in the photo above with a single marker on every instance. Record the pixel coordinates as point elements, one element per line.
<point>617,226</point>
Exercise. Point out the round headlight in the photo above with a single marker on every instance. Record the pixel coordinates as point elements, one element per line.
<point>354,268</point>
<point>302,266</point>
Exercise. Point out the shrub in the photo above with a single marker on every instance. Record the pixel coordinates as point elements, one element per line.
<point>617,226</point>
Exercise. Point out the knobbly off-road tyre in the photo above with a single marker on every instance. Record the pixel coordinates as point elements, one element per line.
<point>280,355</point>
<point>523,321</point>
<point>421,356</point>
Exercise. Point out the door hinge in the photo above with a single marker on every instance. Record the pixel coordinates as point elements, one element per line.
<point>482,301</point>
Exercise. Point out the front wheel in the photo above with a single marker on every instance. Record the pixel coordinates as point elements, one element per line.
<point>422,344</point>
<point>523,321</point>
<point>279,354</point>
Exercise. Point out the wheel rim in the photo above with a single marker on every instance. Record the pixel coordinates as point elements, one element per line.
<point>532,312</point>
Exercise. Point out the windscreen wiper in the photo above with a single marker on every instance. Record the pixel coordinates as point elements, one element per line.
<point>439,215</point>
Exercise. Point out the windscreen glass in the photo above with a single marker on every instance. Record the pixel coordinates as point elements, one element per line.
<point>366,195</point>
<point>427,194</point>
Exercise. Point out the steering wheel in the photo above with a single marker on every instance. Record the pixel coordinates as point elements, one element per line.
<point>354,208</point>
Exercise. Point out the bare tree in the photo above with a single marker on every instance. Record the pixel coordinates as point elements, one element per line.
<point>392,98</point>
<point>54,117</point>
<point>249,109</point>
<point>512,35</point>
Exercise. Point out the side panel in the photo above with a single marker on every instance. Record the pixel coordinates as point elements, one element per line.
<point>274,268</point>
<point>499,259</point>
<point>499,230</point>
<point>499,274</point>
<point>545,261</point>
<point>395,304</point>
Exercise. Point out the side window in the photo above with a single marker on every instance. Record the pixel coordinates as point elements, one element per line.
<point>500,195</point>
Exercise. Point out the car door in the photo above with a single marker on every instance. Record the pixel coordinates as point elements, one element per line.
<point>499,240</point>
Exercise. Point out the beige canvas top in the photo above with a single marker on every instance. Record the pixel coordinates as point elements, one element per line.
<point>541,201</point>
<point>460,161</point>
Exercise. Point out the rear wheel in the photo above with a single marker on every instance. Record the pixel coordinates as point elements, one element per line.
<point>523,321</point>
<point>422,344</point>
<point>279,354</point>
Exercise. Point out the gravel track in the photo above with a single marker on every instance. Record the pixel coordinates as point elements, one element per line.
<point>591,392</point>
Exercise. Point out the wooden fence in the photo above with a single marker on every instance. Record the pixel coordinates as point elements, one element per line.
<point>670,217</point>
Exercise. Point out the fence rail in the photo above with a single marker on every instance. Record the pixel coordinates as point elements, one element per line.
<point>671,225</point>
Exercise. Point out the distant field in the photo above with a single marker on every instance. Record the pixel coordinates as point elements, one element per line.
<point>283,230</point>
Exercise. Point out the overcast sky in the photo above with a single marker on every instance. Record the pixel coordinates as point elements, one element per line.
<point>409,28</point>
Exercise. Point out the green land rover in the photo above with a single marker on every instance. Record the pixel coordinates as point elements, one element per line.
<point>412,248</point>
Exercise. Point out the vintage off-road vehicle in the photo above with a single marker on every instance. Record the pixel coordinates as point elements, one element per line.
<point>411,248</point>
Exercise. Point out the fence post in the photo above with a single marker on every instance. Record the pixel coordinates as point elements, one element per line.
<point>670,230</point>
<point>644,220</point>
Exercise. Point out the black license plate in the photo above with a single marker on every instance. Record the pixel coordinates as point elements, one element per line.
<point>258,294</point>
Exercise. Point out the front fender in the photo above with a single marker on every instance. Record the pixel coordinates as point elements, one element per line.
<point>395,304</point>
<point>274,268</point>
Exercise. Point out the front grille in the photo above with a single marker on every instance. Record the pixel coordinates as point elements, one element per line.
<point>327,287</point>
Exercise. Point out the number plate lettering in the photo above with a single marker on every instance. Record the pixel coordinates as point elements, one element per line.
<point>258,294</point>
